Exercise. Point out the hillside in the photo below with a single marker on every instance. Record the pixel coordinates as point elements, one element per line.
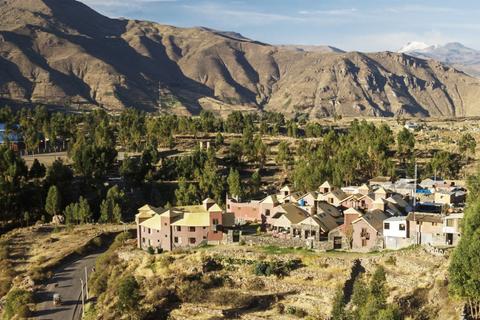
<point>59,52</point>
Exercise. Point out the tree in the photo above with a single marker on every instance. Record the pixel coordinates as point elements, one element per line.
<point>234,183</point>
<point>405,144</point>
<point>59,174</point>
<point>219,139</point>
<point>53,203</point>
<point>111,207</point>
<point>464,269</point>
<point>255,182</point>
<point>128,294</point>
<point>186,194</point>
<point>84,213</point>
<point>467,145</point>
<point>284,155</point>
<point>37,170</point>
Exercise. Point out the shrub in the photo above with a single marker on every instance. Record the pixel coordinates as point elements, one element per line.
<point>37,274</point>
<point>128,294</point>
<point>210,264</point>
<point>391,260</point>
<point>16,304</point>
<point>190,291</point>
<point>97,242</point>
<point>150,250</point>
<point>277,268</point>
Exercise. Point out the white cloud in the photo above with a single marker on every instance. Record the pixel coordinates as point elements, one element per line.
<point>239,17</point>
<point>331,12</point>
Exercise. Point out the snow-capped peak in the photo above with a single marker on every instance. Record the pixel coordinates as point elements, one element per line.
<point>414,46</point>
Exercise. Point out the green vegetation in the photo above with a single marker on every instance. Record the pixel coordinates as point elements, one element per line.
<point>128,294</point>
<point>17,304</point>
<point>368,301</point>
<point>464,270</point>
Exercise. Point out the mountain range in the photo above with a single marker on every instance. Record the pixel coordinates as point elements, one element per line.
<point>454,54</point>
<point>61,52</point>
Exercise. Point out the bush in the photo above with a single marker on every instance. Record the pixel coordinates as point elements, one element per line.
<point>128,294</point>
<point>190,291</point>
<point>150,250</point>
<point>210,264</point>
<point>16,304</point>
<point>277,268</point>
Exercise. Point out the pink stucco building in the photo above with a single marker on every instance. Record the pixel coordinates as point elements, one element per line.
<point>185,226</point>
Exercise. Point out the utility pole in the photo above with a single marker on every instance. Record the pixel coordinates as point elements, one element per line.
<point>83,299</point>
<point>415,204</point>
<point>86,281</point>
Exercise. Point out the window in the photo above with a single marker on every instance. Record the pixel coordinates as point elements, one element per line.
<point>158,240</point>
<point>191,240</point>
<point>330,200</point>
<point>449,222</point>
<point>364,242</point>
<point>386,226</point>
<point>204,228</point>
<point>401,227</point>
<point>149,230</point>
<point>165,237</point>
<point>178,228</point>
<point>228,206</point>
<point>191,229</point>
<point>165,224</point>
<point>175,239</point>
<point>204,238</point>
<point>267,212</point>
<point>434,224</point>
<point>143,240</point>
<point>215,221</point>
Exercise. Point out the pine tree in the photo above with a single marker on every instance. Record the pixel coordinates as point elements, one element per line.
<point>37,170</point>
<point>53,202</point>
<point>234,183</point>
<point>255,182</point>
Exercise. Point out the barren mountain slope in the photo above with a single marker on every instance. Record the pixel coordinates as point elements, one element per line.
<point>62,52</point>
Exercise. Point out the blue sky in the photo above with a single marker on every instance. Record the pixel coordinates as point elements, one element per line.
<point>363,25</point>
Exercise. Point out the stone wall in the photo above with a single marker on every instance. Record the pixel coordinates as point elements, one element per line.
<point>266,240</point>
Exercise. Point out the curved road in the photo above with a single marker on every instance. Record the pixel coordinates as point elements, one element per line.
<point>66,282</point>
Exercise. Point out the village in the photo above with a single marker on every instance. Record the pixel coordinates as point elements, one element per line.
<point>377,215</point>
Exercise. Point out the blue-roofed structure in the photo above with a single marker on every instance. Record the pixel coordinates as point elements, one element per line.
<point>13,137</point>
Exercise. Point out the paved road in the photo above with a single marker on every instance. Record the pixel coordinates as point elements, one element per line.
<point>66,282</point>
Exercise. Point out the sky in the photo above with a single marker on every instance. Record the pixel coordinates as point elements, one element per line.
<point>360,25</point>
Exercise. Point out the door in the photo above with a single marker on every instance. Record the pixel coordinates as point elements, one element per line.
<point>449,239</point>
<point>337,242</point>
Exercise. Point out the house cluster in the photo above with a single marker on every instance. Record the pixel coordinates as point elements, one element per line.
<point>185,226</point>
<point>372,216</point>
<point>379,215</point>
